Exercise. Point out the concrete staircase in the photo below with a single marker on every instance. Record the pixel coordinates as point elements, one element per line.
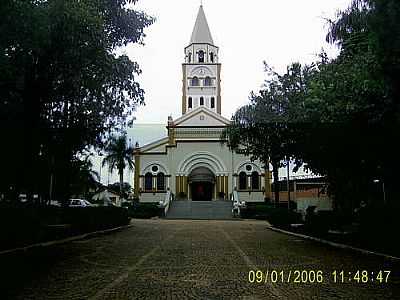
<point>200,210</point>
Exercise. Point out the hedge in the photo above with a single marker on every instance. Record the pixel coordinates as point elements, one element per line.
<point>24,225</point>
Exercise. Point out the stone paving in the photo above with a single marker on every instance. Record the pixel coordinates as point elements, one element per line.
<point>183,259</point>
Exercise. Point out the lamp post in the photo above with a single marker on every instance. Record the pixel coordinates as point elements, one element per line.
<point>288,180</point>
<point>383,189</point>
<point>100,155</point>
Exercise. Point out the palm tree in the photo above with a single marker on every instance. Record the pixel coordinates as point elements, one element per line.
<point>84,176</point>
<point>119,155</point>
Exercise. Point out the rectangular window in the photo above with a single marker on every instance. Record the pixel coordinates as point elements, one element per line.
<point>212,102</point>
<point>190,102</point>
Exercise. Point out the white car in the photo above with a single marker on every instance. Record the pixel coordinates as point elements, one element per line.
<point>79,203</point>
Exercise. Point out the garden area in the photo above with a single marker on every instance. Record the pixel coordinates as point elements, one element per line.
<point>372,228</point>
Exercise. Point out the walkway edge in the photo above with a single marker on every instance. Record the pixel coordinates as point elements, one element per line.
<point>333,244</point>
<point>64,241</point>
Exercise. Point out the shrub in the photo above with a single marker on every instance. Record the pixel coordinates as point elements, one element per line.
<point>282,217</point>
<point>319,222</point>
<point>94,218</point>
<point>256,211</point>
<point>144,210</point>
<point>27,224</point>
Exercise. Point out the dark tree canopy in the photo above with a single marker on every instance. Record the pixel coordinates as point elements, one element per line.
<point>339,117</point>
<point>62,85</point>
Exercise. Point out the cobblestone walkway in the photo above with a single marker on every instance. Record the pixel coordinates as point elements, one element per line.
<point>168,259</point>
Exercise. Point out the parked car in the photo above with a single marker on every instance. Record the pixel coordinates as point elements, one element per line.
<point>79,203</point>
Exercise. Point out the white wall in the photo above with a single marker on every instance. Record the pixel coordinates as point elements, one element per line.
<point>228,164</point>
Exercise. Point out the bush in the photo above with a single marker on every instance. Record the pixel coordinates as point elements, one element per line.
<point>277,216</point>
<point>256,211</point>
<point>293,205</point>
<point>320,222</point>
<point>27,224</point>
<point>281,217</point>
<point>94,218</point>
<point>144,210</point>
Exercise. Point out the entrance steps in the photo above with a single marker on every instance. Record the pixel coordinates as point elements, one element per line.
<point>200,210</point>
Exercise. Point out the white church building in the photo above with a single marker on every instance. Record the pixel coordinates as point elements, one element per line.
<point>192,162</point>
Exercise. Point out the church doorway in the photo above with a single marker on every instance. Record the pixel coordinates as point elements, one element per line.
<point>201,181</point>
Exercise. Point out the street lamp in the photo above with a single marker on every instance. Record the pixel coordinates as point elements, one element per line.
<point>383,190</point>
<point>288,180</point>
<point>100,155</point>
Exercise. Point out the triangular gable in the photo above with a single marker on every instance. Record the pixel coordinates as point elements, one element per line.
<point>157,146</point>
<point>202,117</point>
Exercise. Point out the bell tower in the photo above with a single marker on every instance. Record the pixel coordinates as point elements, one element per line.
<point>201,70</point>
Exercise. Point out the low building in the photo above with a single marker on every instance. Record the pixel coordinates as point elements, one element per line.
<point>106,197</point>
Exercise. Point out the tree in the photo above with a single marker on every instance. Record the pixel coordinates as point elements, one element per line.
<point>264,128</point>
<point>119,155</point>
<point>362,87</point>
<point>116,187</point>
<point>62,84</point>
<point>84,177</point>
<point>338,117</point>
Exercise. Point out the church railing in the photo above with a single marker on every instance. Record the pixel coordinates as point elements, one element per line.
<point>165,204</point>
<point>237,204</point>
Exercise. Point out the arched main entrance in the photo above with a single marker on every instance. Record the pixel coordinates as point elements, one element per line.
<point>201,181</point>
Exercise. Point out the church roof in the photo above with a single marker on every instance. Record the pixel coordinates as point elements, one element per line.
<point>201,32</point>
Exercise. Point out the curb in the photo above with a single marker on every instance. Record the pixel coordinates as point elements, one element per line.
<point>333,244</point>
<point>64,241</point>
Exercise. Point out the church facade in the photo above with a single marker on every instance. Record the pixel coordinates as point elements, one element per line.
<point>192,161</point>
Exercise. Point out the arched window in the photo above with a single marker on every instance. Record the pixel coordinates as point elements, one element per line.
<point>160,181</point>
<point>212,102</point>
<point>207,81</point>
<point>148,182</point>
<point>195,81</point>
<point>201,101</point>
<point>242,181</point>
<point>201,56</point>
<point>255,181</point>
<point>190,57</point>
<point>212,57</point>
<point>190,104</point>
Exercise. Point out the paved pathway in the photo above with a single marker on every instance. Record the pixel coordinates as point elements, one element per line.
<point>180,259</point>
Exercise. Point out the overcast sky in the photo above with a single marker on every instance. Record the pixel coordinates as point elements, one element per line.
<point>276,31</point>
<point>279,32</point>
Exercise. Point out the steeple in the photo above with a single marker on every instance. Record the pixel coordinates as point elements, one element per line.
<point>201,70</point>
<point>201,32</point>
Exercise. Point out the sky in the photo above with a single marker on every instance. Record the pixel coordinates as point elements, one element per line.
<point>278,32</point>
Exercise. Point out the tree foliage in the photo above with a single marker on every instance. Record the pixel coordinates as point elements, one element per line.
<point>62,85</point>
<point>119,155</point>
<point>339,117</point>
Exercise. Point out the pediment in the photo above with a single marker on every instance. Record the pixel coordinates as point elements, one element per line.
<point>202,117</point>
<point>157,146</point>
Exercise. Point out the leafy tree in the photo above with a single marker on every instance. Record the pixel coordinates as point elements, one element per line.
<point>62,84</point>
<point>126,188</point>
<point>340,115</point>
<point>360,92</point>
<point>264,128</point>
<point>119,155</point>
<point>84,177</point>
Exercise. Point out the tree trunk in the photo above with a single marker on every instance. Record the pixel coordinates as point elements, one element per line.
<point>121,181</point>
